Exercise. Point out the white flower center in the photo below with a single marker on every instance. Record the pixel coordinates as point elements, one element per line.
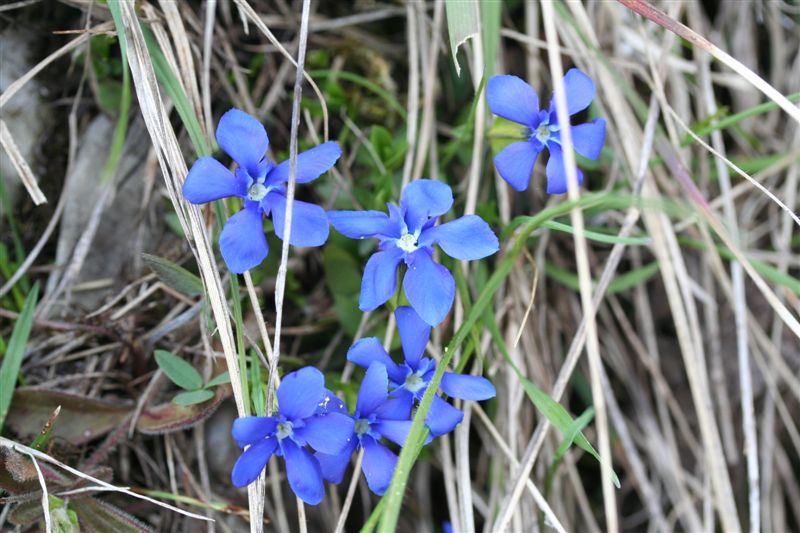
<point>362,426</point>
<point>284,430</point>
<point>407,243</point>
<point>414,382</point>
<point>543,133</point>
<point>256,192</point>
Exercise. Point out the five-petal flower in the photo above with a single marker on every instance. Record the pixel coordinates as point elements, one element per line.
<point>513,99</point>
<point>304,418</point>
<point>373,420</point>
<point>410,379</point>
<point>261,184</point>
<point>407,234</point>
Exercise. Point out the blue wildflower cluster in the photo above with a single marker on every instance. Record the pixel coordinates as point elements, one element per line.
<point>312,429</point>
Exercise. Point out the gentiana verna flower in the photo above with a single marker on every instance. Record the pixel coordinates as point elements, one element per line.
<point>304,418</point>
<point>513,99</point>
<point>409,380</point>
<point>262,186</point>
<point>373,420</point>
<point>407,234</point>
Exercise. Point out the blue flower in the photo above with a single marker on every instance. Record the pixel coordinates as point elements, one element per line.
<point>261,184</point>
<point>513,99</point>
<point>408,234</point>
<point>373,420</point>
<point>410,379</point>
<point>303,419</point>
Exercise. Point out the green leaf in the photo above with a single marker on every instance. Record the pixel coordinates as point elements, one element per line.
<point>193,397</point>
<point>463,22</point>
<point>225,377</point>
<point>179,371</point>
<point>12,360</point>
<point>174,275</point>
<point>596,236</point>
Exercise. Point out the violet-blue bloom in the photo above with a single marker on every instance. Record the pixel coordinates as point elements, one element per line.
<point>373,420</point>
<point>262,185</point>
<point>407,234</point>
<point>410,379</point>
<point>303,418</point>
<point>513,99</point>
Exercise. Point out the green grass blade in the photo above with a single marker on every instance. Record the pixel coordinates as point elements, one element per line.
<point>12,360</point>
<point>596,236</point>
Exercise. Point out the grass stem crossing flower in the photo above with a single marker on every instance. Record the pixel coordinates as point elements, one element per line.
<point>303,418</point>
<point>262,186</point>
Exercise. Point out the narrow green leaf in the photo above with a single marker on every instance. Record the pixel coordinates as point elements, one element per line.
<point>573,431</point>
<point>174,275</point>
<point>179,371</point>
<point>596,236</point>
<point>225,377</point>
<point>12,360</point>
<point>193,396</point>
<point>463,22</point>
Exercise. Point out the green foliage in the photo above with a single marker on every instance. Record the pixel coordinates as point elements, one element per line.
<point>12,360</point>
<point>174,275</point>
<point>185,376</point>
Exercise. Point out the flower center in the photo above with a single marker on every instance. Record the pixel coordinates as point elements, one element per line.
<point>284,430</point>
<point>543,133</point>
<point>256,192</point>
<point>362,426</point>
<point>414,382</point>
<point>407,243</point>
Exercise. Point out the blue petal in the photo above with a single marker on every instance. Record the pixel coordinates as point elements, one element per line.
<point>333,467</point>
<point>378,465</point>
<point>252,462</point>
<point>330,403</point>
<point>242,241</point>
<point>310,164</point>
<point>424,199</point>
<point>300,393</point>
<point>303,472</point>
<point>374,389</point>
<point>515,162</point>
<point>309,221</point>
<point>466,387</point>
<point>556,175</point>
<point>361,224</point>
<point>443,417</point>
<point>414,334</point>
<point>397,430</point>
<point>394,430</point>
<point>251,429</point>
<point>430,287</point>
<point>243,138</point>
<point>588,138</point>
<point>580,92</point>
<point>209,180</point>
<point>513,99</point>
<point>397,407</point>
<point>367,351</point>
<point>380,279</point>
<point>466,238</point>
<point>329,433</point>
